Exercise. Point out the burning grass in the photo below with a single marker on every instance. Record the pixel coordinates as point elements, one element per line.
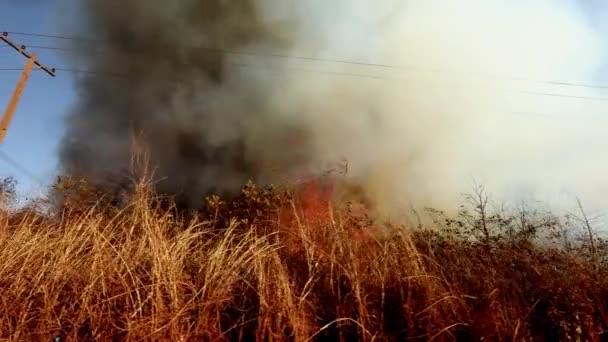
<point>270,265</point>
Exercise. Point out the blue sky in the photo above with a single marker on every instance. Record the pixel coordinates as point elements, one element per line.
<point>32,140</point>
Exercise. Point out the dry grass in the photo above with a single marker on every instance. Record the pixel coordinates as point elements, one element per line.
<point>262,267</point>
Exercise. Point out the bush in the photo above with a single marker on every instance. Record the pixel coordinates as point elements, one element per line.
<point>269,266</point>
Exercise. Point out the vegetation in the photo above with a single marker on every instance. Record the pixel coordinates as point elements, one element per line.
<point>274,265</point>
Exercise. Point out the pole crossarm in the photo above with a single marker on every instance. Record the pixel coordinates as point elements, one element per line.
<point>21,50</point>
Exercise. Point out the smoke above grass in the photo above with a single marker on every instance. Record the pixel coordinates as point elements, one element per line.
<point>435,94</point>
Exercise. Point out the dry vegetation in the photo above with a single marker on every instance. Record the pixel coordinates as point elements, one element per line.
<point>271,266</point>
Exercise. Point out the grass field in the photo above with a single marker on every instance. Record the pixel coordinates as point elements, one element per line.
<point>270,266</point>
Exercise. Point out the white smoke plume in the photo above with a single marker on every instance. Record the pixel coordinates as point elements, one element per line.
<point>421,97</point>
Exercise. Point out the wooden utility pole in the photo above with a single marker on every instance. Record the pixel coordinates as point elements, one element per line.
<point>27,70</point>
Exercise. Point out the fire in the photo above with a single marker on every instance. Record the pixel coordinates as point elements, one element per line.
<point>315,199</point>
<point>317,203</point>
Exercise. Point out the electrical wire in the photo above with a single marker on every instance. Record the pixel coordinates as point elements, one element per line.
<point>333,73</point>
<point>28,34</point>
<point>6,158</point>
<point>339,61</point>
<point>519,113</point>
<point>307,70</point>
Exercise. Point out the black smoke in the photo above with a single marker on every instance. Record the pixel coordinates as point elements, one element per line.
<point>163,71</point>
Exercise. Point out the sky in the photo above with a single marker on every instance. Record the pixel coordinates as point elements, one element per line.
<point>34,134</point>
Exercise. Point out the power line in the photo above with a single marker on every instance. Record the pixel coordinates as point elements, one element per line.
<point>520,113</point>
<point>95,73</point>
<point>58,48</point>
<point>308,70</point>
<point>590,98</point>
<point>76,71</point>
<point>6,158</point>
<point>331,73</point>
<point>27,34</point>
<point>278,55</point>
<point>328,60</point>
<point>43,47</point>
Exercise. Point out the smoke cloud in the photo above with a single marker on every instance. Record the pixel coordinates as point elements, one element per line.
<point>420,97</point>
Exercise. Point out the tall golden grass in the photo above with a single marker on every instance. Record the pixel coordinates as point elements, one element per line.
<point>259,267</point>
